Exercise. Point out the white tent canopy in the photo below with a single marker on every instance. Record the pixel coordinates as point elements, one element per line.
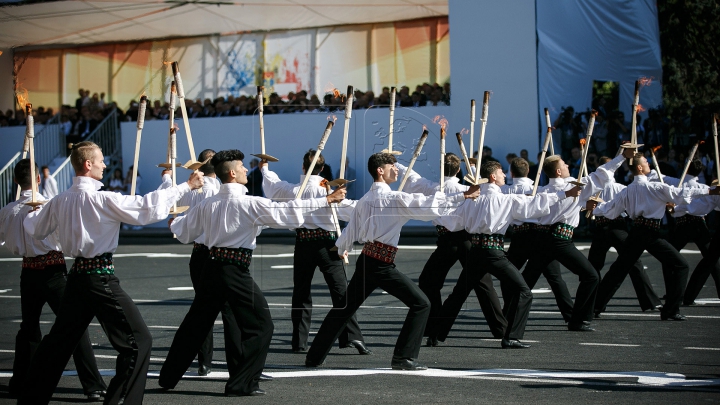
<point>86,22</point>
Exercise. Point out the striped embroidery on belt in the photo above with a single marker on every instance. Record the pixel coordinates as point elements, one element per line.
<point>100,264</point>
<point>647,223</point>
<point>485,241</point>
<point>237,256</point>
<point>307,235</point>
<point>380,251</point>
<point>50,258</point>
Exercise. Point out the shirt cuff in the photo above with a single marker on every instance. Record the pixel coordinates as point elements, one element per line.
<point>183,188</point>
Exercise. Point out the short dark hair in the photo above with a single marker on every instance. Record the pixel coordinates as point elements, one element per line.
<point>489,168</point>
<point>519,167</point>
<point>452,164</point>
<point>222,162</point>
<point>307,160</point>
<point>377,160</point>
<point>635,162</point>
<point>207,168</point>
<point>696,167</point>
<point>604,160</point>
<point>23,177</point>
<point>551,165</point>
<point>44,167</point>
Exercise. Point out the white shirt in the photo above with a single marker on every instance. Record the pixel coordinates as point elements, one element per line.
<point>233,219</point>
<point>210,187</point>
<point>699,206</point>
<point>521,185</point>
<point>12,232</point>
<point>380,214</point>
<point>646,198</point>
<point>49,187</point>
<point>88,221</point>
<point>568,210</point>
<point>417,184</point>
<point>278,190</point>
<point>493,212</point>
<point>610,191</point>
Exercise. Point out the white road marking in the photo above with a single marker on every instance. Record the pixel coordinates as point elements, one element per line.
<point>20,321</point>
<point>708,301</point>
<point>609,344</point>
<point>181,289</point>
<point>4,291</point>
<point>541,291</point>
<point>282,266</point>
<point>702,348</point>
<point>643,378</point>
<point>7,351</point>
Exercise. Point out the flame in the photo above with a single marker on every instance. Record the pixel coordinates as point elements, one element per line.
<point>440,120</point>
<point>583,142</point>
<point>332,118</point>
<point>142,94</point>
<point>645,81</point>
<point>424,128</point>
<point>0,52</point>
<point>655,149</point>
<point>175,126</point>
<point>594,113</point>
<point>640,108</point>
<point>167,63</point>
<point>701,142</point>
<point>464,131</point>
<point>22,96</point>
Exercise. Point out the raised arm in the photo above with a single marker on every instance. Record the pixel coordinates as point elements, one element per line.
<point>190,226</point>
<point>282,215</point>
<point>41,222</point>
<point>525,207</point>
<point>274,188</point>
<point>416,183</point>
<point>595,181</point>
<point>613,208</point>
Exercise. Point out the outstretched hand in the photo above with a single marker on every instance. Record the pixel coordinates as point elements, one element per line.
<point>628,153</point>
<point>473,192</point>
<point>196,180</point>
<point>591,204</point>
<point>337,196</point>
<point>573,192</point>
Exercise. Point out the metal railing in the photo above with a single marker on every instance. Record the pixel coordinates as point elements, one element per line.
<point>107,137</point>
<point>50,142</point>
<point>7,186</point>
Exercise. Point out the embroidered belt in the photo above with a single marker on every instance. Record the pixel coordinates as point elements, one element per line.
<point>200,248</point>
<point>380,251</point>
<point>562,230</point>
<point>689,219</point>
<point>307,235</point>
<point>101,264</point>
<point>441,230</point>
<point>650,224</point>
<point>485,241</point>
<point>524,227</point>
<point>237,256</point>
<point>50,258</point>
<point>602,221</point>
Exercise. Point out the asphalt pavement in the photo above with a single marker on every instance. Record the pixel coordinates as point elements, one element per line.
<point>633,357</point>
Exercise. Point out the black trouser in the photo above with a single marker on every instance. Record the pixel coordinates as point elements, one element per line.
<point>370,274</point>
<point>37,287</point>
<point>88,295</point>
<point>205,352</point>
<point>308,256</point>
<point>551,248</point>
<point>517,295</point>
<point>675,268</point>
<point>697,231</point>
<point>523,247</point>
<point>452,247</point>
<point>224,283</point>
<point>614,235</point>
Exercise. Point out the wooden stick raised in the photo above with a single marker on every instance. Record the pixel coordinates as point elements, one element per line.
<point>717,157</point>
<point>336,222</point>
<point>261,115</point>
<point>472,129</point>
<point>548,123</point>
<point>588,138</point>
<point>442,158</point>
<point>690,159</point>
<point>483,125</point>
<point>464,153</point>
<point>655,162</point>
<point>30,134</point>
<point>191,164</point>
<point>392,120</point>
<point>25,150</point>
<point>418,149</point>
<point>320,148</point>
<point>346,132</point>
<point>548,136</point>
<point>636,101</point>
<point>138,136</point>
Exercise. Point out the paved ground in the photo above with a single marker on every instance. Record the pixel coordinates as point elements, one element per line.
<point>632,358</point>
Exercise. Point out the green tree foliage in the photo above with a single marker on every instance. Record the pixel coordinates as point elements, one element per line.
<point>690,43</point>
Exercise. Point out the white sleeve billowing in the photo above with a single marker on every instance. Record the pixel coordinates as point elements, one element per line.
<point>525,207</point>
<point>677,195</point>
<point>190,226</point>
<point>348,237</point>
<point>613,208</point>
<point>422,207</point>
<point>142,210</point>
<point>345,209</point>
<point>416,183</point>
<point>166,182</point>
<point>595,181</point>
<point>283,215</point>
<point>42,222</point>
<point>274,188</point>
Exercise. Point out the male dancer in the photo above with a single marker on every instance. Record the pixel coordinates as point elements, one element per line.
<point>645,203</point>
<point>612,232</point>
<point>690,226</point>
<point>88,222</point>
<point>451,247</point>
<point>555,242</point>
<point>314,244</point>
<point>376,222</point>
<point>230,221</point>
<point>42,280</point>
<point>486,219</point>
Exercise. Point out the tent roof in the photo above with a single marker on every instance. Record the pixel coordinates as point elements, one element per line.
<point>71,22</point>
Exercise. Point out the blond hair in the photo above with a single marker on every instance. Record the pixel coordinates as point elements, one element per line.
<point>82,152</point>
<point>551,165</point>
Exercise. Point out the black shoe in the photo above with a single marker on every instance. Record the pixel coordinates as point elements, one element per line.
<point>675,317</point>
<point>312,364</point>
<point>96,396</point>
<point>580,327</point>
<point>254,393</point>
<point>299,349</point>
<point>597,314</point>
<point>204,370</point>
<point>399,363</point>
<point>513,344</point>
<point>265,378</point>
<point>359,345</point>
<point>690,304</point>
<point>432,342</point>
